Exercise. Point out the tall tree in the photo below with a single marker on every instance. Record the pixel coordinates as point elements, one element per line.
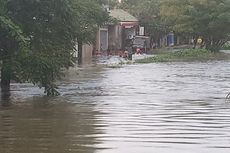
<point>12,41</point>
<point>209,19</point>
<point>148,13</point>
<point>110,3</point>
<point>38,38</point>
<point>89,15</point>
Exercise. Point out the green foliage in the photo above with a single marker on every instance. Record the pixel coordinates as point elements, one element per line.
<point>154,59</point>
<point>38,37</point>
<point>110,3</point>
<point>226,46</point>
<point>89,15</point>
<point>9,31</point>
<point>209,19</point>
<point>182,55</point>
<point>13,30</point>
<point>192,53</point>
<point>148,13</point>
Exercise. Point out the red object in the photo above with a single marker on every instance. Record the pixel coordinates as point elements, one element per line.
<point>120,53</point>
<point>138,50</point>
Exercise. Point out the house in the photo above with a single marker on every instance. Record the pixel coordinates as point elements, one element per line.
<point>85,55</point>
<point>117,36</point>
<point>112,37</point>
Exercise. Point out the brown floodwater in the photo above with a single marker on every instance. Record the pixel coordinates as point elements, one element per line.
<point>146,108</point>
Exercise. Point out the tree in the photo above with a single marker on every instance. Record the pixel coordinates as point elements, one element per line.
<point>12,41</point>
<point>110,3</point>
<point>148,14</point>
<point>89,16</point>
<point>209,19</point>
<point>38,38</point>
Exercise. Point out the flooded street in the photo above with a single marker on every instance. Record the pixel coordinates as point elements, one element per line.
<point>146,108</point>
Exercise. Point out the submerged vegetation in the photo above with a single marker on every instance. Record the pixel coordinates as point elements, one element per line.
<point>185,55</point>
<point>226,46</point>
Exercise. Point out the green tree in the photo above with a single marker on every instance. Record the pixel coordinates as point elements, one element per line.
<point>209,19</point>
<point>89,16</point>
<point>38,38</point>
<point>148,13</point>
<point>110,3</point>
<point>12,41</point>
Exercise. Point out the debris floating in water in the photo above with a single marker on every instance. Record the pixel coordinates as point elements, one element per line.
<point>116,61</point>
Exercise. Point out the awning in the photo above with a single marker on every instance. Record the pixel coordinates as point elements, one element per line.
<point>129,24</point>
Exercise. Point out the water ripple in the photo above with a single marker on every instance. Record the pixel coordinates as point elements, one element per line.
<point>162,108</point>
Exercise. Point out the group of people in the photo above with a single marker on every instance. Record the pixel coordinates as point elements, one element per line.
<point>128,54</point>
<point>124,54</point>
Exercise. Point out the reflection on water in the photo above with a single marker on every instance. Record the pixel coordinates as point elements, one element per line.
<point>44,125</point>
<point>173,107</point>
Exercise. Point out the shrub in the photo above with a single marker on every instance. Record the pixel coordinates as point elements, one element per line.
<point>181,55</point>
<point>226,46</point>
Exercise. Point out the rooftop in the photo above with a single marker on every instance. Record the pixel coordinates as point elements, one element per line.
<point>122,15</point>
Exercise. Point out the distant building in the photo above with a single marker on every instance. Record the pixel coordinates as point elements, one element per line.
<point>113,37</point>
<point>117,36</point>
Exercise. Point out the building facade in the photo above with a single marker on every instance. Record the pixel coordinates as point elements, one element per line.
<point>115,37</point>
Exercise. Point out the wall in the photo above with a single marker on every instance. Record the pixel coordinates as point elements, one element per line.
<point>115,38</point>
<point>87,52</point>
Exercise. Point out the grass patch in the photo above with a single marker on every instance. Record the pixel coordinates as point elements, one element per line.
<point>226,46</point>
<point>184,55</point>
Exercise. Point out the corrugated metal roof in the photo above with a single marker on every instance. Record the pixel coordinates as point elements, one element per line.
<point>122,15</point>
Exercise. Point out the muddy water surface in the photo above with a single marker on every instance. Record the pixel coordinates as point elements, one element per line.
<point>150,108</point>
